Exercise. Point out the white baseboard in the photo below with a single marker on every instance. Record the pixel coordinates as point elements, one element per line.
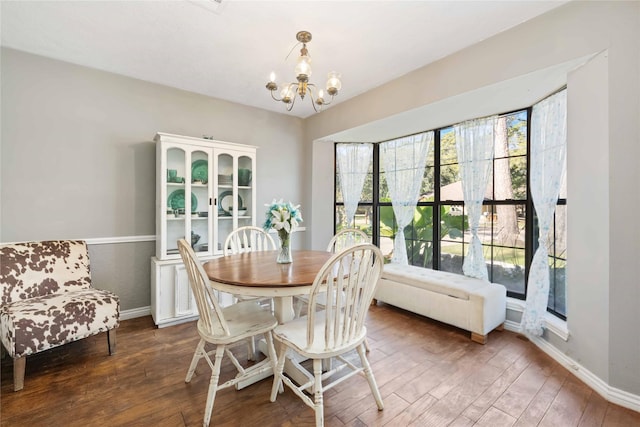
<point>135,312</point>
<point>612,394</point>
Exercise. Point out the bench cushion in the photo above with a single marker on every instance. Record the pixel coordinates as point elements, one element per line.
<point>442,282</point>
<point>37,324</point>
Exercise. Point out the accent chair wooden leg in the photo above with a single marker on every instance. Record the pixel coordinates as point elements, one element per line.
<point>374,302</point>
<point>111,341</point>
<point>19,365</point>
<point>480,339</point>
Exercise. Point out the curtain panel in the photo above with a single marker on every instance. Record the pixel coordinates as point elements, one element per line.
<point>353,162</point>
<point>403,161</point>
<point>548,165</point>
<point>475,148</point>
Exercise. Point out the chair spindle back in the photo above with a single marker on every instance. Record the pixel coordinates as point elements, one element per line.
<point>345,238</point>
<point>248,239</point>
<point>349,279</point>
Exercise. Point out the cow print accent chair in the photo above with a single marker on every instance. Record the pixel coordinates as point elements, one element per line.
<point>48,300</point>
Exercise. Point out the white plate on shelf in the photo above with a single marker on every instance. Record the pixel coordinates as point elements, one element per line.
<point>226,201</point>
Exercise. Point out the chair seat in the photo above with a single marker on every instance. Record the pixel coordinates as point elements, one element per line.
<point>294,334</point>
<point>244,319</point>
<point>37,324</point>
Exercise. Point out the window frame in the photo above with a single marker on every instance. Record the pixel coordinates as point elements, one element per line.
<point>530,231</point>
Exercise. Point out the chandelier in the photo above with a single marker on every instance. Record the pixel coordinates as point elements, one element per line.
<point>289,92</point>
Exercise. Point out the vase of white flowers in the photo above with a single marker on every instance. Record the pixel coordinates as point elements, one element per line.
<point>284,218</point>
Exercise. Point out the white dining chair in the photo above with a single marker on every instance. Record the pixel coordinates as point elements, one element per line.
<point>341,240</point>
<point>345,238</point>
<point>224,328</point>
<point>349,279</point>
<point>248,239</point>
<point>243,240</point>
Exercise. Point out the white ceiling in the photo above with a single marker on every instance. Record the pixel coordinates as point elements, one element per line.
<point>228,52</point>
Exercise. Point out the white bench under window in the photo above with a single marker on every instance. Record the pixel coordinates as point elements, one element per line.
<point>465,302</point>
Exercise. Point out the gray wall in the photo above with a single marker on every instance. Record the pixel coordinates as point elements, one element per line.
<point>603,157</point>
<point>78,159</point>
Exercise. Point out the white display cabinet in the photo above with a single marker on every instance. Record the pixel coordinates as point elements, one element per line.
<point>204,190</point>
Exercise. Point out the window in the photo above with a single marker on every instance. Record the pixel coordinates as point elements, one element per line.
<point>439,234</point>
<point>557,248</point>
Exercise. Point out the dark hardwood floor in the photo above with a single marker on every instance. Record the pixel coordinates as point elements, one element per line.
<point>429,374</point>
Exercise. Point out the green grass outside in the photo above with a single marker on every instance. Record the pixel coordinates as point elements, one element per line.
<point>511,256</point>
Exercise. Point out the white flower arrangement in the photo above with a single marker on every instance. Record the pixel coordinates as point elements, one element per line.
<point>282,217</point>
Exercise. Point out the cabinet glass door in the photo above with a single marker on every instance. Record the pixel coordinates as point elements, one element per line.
<point>227,198</point>
<point>173,183</point>
<point>245,190</point>
<point>234,193</point>
<point>200,206</point>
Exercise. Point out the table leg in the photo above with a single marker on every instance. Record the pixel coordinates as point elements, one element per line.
<point>283,308</point>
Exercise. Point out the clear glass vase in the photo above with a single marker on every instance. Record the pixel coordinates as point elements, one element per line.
<point>285,256</point>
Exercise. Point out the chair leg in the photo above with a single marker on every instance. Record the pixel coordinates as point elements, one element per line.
<point>251,349</point>
<point>19,365</point>
<point>111,341</point>
<point>277,373</point>
<point>273,357</point>
<point>197,355</point>
<point>366,345</point>
<point>318,404</point>
<point>213,384</point>
<point>370,378</point>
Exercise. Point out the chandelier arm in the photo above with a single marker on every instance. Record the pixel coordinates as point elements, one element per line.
<point>274,98</point>
<point>330,101</point>
<point>292,103</point>
<point>313,101</point>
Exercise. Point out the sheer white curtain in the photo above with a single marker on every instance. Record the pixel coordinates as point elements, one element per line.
<point>403,161</point>
<point>353,163</point>
<point>474,144</point>
<point>548,164</point>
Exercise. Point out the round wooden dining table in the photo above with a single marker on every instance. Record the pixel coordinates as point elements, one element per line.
<point>258,274</point>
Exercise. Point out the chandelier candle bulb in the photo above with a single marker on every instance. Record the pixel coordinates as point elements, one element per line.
<point>333,83</point>
<point>303,69</point>
<point>271,85</point>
